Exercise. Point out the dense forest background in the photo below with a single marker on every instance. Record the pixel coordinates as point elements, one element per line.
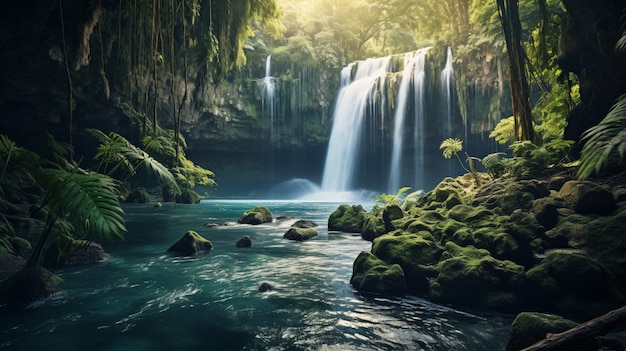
<point>190,71</point>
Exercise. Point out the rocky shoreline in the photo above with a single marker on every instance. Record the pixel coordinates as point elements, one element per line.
<point>553,245</point>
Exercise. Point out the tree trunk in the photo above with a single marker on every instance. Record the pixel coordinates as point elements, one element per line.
<point>509,17</point>
<point>568,339</point>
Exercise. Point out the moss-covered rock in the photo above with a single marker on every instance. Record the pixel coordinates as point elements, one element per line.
<point>572,283</point>
<point>371,274</point>
<point>373,227</point>
<point>190,244</point>
<point>28,285</point>
<point>472,277</point>
<point>139,195</point>
<point>546,211</point>
<point>300,234</point>
<point>509,195</point>
<point>411,252</point>
<point>588,197</point>
<point>531,327</point>
<point>346,218</point>
<point>255,216</point>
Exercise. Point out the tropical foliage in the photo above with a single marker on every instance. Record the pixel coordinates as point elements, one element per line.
<point>605,143</point>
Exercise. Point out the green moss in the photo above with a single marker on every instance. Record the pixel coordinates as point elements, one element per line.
<point>469,214</point>
<point>573,283</point>
<point>471,277</point>
<point>373,227</point>
<point>372,274</point>
<point>531,327</point>
<point>347,219</point>
<point>196,236</point>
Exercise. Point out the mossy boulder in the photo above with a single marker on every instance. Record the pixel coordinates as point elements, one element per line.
<point>531,327</point>
<point>255,216</point>
<point>139,196</point>
<point>300,234</point>
<point>190,244</point>
<point>74,253</point>
<point>572,283</point>
<point>546,211</point>
<point>509,195</point>
<point>373,275</point>
<point>604,239</point>
<point>373,227</point>
<point>28,285</point>
<point>412,252</point>
<point>346,218</point>
<point>472,277</point>
<point>588,197</point>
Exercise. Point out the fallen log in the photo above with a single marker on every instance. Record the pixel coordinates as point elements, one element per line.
<point>568,339</point>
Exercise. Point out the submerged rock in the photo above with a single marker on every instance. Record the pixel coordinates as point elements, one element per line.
<point>255,216</point>
<point>244,241</point>
<point>265,287</point>
<point>190,244</point>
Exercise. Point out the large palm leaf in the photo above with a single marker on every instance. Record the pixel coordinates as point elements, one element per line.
<point>87,199</point>
<point>605,143</point>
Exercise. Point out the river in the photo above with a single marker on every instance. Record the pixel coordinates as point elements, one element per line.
<point>143,298</point>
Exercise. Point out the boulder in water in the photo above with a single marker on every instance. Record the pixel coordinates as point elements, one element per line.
<point>190,244</point>
<point>265,287</point>
<point>300,234</point>
<point>531,327</point>
<point>257,215</point>
<point>371,274</point>
<point>74,253</point>
<point>244,241</point>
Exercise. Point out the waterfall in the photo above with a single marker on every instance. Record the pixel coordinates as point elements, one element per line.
<point>413,72</point>
<point>448,90</point>
<point>448,93</point>
<point>268,87</point>
<point>356,97</point>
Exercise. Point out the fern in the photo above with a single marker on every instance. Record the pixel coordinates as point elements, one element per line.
<point>504,132</point>
<point>86,197</point>
<point>493,164</point>
<point>605,143</point>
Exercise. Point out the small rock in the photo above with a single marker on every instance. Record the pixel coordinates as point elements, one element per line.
<point>244,242</point>
<point>257,215</point>
<point>265,287</point>
<point>300,234</point>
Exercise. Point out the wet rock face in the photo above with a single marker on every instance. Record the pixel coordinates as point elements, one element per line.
<point>244,242</point>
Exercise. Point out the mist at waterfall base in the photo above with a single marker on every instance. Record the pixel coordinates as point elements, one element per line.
<point>145,299</point>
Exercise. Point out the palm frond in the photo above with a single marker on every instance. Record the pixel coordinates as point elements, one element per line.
<point>604,143</point>
<point>451,147</point>
<point>89,198</point>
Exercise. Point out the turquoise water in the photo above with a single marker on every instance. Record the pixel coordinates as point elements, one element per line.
<point>143,298</point>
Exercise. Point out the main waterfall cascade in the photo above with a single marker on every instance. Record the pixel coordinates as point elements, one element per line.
<point>362,103</point>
